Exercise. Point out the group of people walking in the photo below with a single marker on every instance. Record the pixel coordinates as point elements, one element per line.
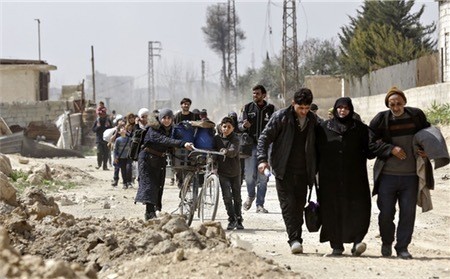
<point>300,149</point>
<point>336,150</point>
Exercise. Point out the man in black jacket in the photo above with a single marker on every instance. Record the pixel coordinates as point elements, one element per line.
<point>100,125</point>
<point>292,159</point>
<point>255,116</point>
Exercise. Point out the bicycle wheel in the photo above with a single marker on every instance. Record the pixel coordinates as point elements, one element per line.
<point>209,198</point>
<point>188,198</point>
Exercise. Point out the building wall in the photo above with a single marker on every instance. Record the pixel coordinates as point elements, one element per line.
<point>419,72</point>
<point>22,113</point>
<point>19,85</point>
<point>325,89</point>
<point>421,97</point>
<point>444,38</point>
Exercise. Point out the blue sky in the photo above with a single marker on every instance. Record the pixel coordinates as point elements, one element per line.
<point>120,31</point>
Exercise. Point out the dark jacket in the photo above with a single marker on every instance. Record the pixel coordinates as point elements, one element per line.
<point>381,140</point>
<point>100,125</point>
<point>180,117</point>
<point>344,193</point>
<point>280,133</point>
<point>158,139</point>
<point>258,118</point>
<point>231,166</point>
<point>151,166</point>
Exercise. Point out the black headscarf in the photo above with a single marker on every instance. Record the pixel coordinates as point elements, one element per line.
<point>343,123</point>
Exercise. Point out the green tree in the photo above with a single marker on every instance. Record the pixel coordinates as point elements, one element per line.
<point>217,34</point>
<point>382,34</point>
<point>318,57</point>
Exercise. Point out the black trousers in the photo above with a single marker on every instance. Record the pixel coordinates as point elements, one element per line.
<point>102,154</point>
<point>231,193</point>
<point>292,192</point>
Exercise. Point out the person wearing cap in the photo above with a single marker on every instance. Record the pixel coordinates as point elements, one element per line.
<point>342,151</point>
<point>290,133</point>
<point>100,125</point>
<point>395,179</point>
<point>152,162</point>
<point>141,121</point>
<point>229,172</point>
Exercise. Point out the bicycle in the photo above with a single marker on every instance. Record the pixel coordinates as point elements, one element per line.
<point>207,201</point>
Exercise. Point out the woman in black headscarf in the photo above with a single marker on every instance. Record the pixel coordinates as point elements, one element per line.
<point>344,194</point>
<point>152,162</point>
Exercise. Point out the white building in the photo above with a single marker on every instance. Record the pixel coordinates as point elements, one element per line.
<point>444,39</point>
<point>24,80</point>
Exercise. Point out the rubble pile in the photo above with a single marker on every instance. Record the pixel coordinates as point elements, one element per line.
<point>37,240</point>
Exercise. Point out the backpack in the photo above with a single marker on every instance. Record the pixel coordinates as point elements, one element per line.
<point>137,140</point>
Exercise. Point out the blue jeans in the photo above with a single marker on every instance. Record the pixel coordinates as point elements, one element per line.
<point>255,179</point>
<point>401,188</point>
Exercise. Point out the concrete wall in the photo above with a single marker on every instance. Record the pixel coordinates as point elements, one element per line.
<point>326,89</point>
<point>411,74</point>
<point>19,85</point>
<point>444,38</point>
<point>22,113</point>
<point>421,97</point>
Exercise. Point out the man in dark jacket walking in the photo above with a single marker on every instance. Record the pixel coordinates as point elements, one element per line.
<point>100,125</point>
<point>292,159</point>
<point>255,116</point>
<point>395,176</point>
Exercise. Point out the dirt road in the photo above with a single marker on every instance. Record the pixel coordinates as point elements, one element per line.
<point>265,234</point>
<point>109,236</point>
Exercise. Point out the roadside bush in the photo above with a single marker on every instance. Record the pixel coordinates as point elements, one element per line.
<point>20,177</point>
<point>438,114</point>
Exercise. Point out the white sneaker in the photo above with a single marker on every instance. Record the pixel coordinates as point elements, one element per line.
<point>296,247</point>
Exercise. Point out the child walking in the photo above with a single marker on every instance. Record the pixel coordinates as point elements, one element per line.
<point>121,160</point>
<point>229,171</point>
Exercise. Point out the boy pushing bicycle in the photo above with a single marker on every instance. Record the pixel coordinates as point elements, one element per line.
<point>229,171</point>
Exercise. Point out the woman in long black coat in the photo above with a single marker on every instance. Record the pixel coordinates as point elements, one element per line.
<point>152,162</point>
<point>344,194</point>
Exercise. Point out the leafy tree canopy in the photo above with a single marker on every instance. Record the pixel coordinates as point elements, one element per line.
<point>382,34</point>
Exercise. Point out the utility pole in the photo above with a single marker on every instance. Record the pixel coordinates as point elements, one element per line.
<point>93,73</point>
<point>289,62</point>
<point>39,36</point>
<point>203,78</point>
<point>153,46</point>
<point>232,50</point>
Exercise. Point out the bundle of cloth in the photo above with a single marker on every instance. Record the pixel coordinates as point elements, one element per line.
<point>433,143</point>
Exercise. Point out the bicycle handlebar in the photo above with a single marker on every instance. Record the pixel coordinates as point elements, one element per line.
<point>204,151</point>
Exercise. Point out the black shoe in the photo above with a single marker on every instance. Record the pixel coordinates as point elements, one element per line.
<point>114,183</point>
<point>404,255</point>
<point>125,186</point>
<point>150,215</point>
<point>239,225</point>
<point>97,167</point>
<point>105,169</point>
<point>231,225</point>
<point>386,250</point>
